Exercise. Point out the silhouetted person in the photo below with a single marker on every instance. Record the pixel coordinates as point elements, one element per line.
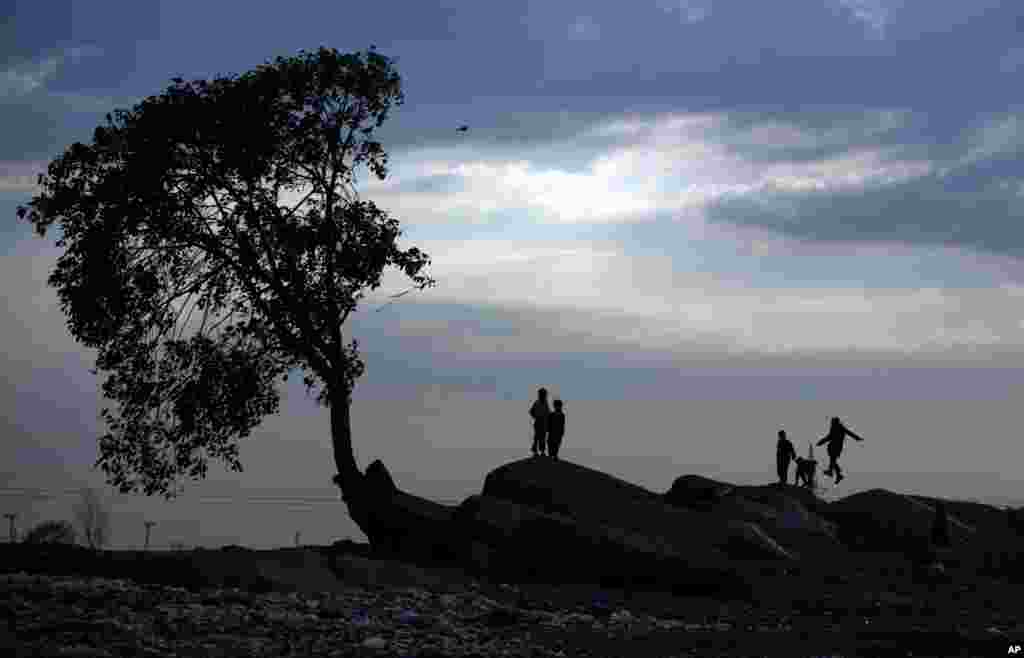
<point>940,527</point>
<point>784,452</point>
<point>805,472</point>
<point>837,433</point>
<point>540,412</point>
<point>556,429</point>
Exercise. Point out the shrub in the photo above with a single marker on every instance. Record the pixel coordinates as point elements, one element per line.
<point>51,532</point>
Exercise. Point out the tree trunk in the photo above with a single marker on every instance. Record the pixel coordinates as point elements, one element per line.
<point>349,480</point>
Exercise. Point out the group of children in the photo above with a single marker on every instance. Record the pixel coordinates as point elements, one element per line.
<point>784,452</point>
<point>548,426</point>
<point>549,429</point>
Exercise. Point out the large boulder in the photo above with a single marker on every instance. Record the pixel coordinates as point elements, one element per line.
<point>513,542</point>
<point>781,513</point>
<point>596,499</point>
<point>696,492</point>
<point>378,478</point>
<point>407,527</point>
<point>884,520</point>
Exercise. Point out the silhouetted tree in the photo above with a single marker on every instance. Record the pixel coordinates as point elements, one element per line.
<point>175,208</point>
<point>94,519</point>
<point>51,532</point>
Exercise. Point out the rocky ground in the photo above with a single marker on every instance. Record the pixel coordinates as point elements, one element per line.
<point>866,610</point>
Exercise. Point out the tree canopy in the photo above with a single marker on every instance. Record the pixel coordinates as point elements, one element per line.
<point>172,220</point>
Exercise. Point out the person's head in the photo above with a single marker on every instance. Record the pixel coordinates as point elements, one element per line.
<point>558,405</point>
<point>836,422</point>
<point>782,434</point>
<point>542,393</point>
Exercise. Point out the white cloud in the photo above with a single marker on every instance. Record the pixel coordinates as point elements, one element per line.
<point>1012,61</point>
<point>873,13</point>
<point>994,136</point>
<point>690,11</point>
<point>21,176</point>
<point>666,164</point>
<point>597,290</point>
<point>584,28</point>
<point>27,77</point>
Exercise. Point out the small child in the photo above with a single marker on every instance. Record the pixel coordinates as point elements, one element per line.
<point>556,429</point>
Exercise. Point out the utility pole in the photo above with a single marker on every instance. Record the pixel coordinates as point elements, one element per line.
<point>10,518</point>
<point>814,467</point>
<point>149,524</point>
<point>297,535</point>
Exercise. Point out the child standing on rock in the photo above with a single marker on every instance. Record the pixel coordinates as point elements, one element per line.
<point>784,453</point>
<point>540,412</point>
<point>556,429</point>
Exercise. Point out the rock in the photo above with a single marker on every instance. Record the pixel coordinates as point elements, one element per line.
<point>375,642</point>
<point>749,541</point>
<point>349,547</point>
<point>403,526</point>
<point>379,479</point>
<point>892,521</point>
<point>696,491</point>
<point>479,557</point>
<point>595,499</point>
<point>499,617</point>
<point>783,519</point>
<point>527,545</point>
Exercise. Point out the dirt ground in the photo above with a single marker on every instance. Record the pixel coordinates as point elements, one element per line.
<point>875,607</point>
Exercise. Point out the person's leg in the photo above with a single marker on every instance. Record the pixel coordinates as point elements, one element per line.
<point>782,468</point>
<point>536,439</point>
<point>554,443</point>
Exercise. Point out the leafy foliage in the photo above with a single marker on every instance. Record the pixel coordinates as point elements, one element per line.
<point>51,532</point>
<point>174,211</point>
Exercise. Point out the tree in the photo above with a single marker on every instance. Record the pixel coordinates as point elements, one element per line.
<point>51,532</point>
<point>174,208</point>
<point>94,519</point>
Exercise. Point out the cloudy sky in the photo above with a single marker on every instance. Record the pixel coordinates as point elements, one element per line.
<point>695,221</point>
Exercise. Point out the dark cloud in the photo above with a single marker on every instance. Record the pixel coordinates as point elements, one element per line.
<point>30,29</point>
<point>976,206</point>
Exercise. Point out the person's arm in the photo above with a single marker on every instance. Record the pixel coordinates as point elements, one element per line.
<point>850,432</point>
<point>823,441</point>
<point>792,449</point>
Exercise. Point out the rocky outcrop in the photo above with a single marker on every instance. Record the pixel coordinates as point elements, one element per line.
<point>696,492</point>
<point>782,514</point>
<point>524,544</point>
<point>407,527</point>
<point>545,520</point>
<point>596,499</point>
<point>884,520</point>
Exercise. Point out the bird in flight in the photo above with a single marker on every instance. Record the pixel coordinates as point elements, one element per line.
<point>462,128</point>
